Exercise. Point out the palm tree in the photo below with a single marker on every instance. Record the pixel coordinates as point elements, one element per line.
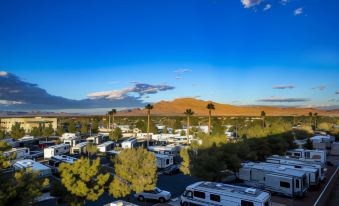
<point>149,107</point>
<point>315,120</point>
<point>210,107</point>
<point>263,115</point>
<point>188,113</point>
<point>109,119</point>
<point>310,115</point>
<point>112,113</point>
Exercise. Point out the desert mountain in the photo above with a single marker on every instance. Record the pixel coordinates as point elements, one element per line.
<point>178,106</point>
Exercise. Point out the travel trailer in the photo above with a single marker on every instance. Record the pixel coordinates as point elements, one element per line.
<point>96,139</point>
<point>164,161</point>
<point>281,180</point>
<point>72,141</point>
<point>334,148</point>
<point>27,164</point>
<point>167,150</point>
<point>20,153</point>
<point>27,141</point>
<point>298,162</point>
<point>316,155</point>
<point>79,148</point>
<point>129,143</point>
<point>106,146</point>
<point>218,194</point>
<point>59,149</point>
<point>313,178</point>
<point>67,136</point>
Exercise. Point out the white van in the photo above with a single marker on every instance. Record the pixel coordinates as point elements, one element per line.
<point>218,194</point>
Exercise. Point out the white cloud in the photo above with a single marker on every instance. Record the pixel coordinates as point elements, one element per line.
<point>284,2</point>
<point>250,3</point>
<point>320,87</point>
<point>7,102</point>
<point>298,11</point>
<point>284,87</point>
<point>3,73</point>
<point>183,71</point>
<point>267,7</point>
<point>140,89</point>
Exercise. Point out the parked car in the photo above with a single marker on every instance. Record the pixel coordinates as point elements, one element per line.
<point>171,170</point>
<point>156,194</point>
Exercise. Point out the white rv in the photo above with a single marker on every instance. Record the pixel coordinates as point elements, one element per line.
<point>20,153</point>
<point>316,155</point>
<point>282,180</point>
<point>167,150</point>
<point>106,146</point>
<point>218,194</point>
<point>27,164</point>
<point>67,136</point>
<point>95,139</point>
<point>298,162</point>
<point>164,161</point>
<point>59,149</point>
<point>79,148</point>
<point>129,143</point>
<point>313,177</point>
<point>72,141</point>
<point>55,161</point>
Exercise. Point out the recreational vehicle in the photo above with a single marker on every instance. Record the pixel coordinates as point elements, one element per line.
<point>313,178</point>
<point>17,153</point>
<point>316,155</point>
<point>59,149</point>
<point>79,148</point>
<point>164,161</point>
<point>218,194</point>
<point>129,143</point>
<point>282,180</point>
<point>55,161</point>
<point>72,141</point>
<point>67,136</point>
<point>167,150</point>
<point>28,164</point>
<point>106,146</point>
<point>96,139</point>
<point>298,162</point>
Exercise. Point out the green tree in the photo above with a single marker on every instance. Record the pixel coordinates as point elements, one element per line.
<point>84,128</point>
<point>116,134</point>
<point>4,146</point>
<point>309,144</point>
<point>21,188</point>
<point>210,107</point>
<point>310,114</point>
<point>182,133</point>
<point>188,113</point>
<point>36,132</point>
<point>185,164</point>
<point>2,134</point>
<point>72,127</point>
<point>17,131</point>
<point>136,171</point>
<point>91,149</point>
<point>148,107</point>
<point>60,130</point>
<point>83,178</point>
<point>48,131</point>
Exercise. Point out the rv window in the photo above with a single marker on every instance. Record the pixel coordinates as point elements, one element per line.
<point>56,151</point>
<point>307,154</point>
<point>215,198</point>
<point>288,153</point>
<point>199,194</point>
<point>188,194</point>
<point>246,203</point>
<point>297,154</point>
<point>167,162</point>
<point>285,184</point>
<point>297,183</point>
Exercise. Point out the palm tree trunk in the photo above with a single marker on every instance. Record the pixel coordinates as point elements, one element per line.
<point>209,122</point>
<point>188,128</point>
<point>148,124</point>
<point>109,122</point>
<point>112,121</point>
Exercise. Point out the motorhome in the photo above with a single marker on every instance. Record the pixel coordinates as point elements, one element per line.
<point>167,150</point>
<point>67,136</point>
<point>219,194</point>
<point>106,146</point>
<point>313,177</point>
<point>72,141</point>
<point>129,143</point>
<point>56,160</point>
<point>281,180</point>
<point>17,153</point>
<point>32,166</point>
<point>316,155</point>
<point>298,162</point>
<point>59,149</point>
<point>79,148</point>
<point>27,141</point>
<point>164,161</point>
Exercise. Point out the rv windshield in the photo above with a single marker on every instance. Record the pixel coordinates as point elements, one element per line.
<point>157,190</point>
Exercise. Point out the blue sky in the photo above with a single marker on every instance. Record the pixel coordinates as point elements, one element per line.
<point>128,52</point>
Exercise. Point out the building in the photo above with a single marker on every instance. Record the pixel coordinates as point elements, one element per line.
<point>28,123</point>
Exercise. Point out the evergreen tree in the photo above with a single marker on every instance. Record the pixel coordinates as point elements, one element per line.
<point>83,178</point>
<point>17,131</point>
<point>136,171</point>
<point>116,134</point>
<point>48,131</point>
<point>36,132</point>
<point>72,127</point>
<point>185,164</point>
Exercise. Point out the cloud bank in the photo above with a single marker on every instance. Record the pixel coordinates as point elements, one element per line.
<point>284,87</point>
<point>18,94</point>
<point>286,100</point>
